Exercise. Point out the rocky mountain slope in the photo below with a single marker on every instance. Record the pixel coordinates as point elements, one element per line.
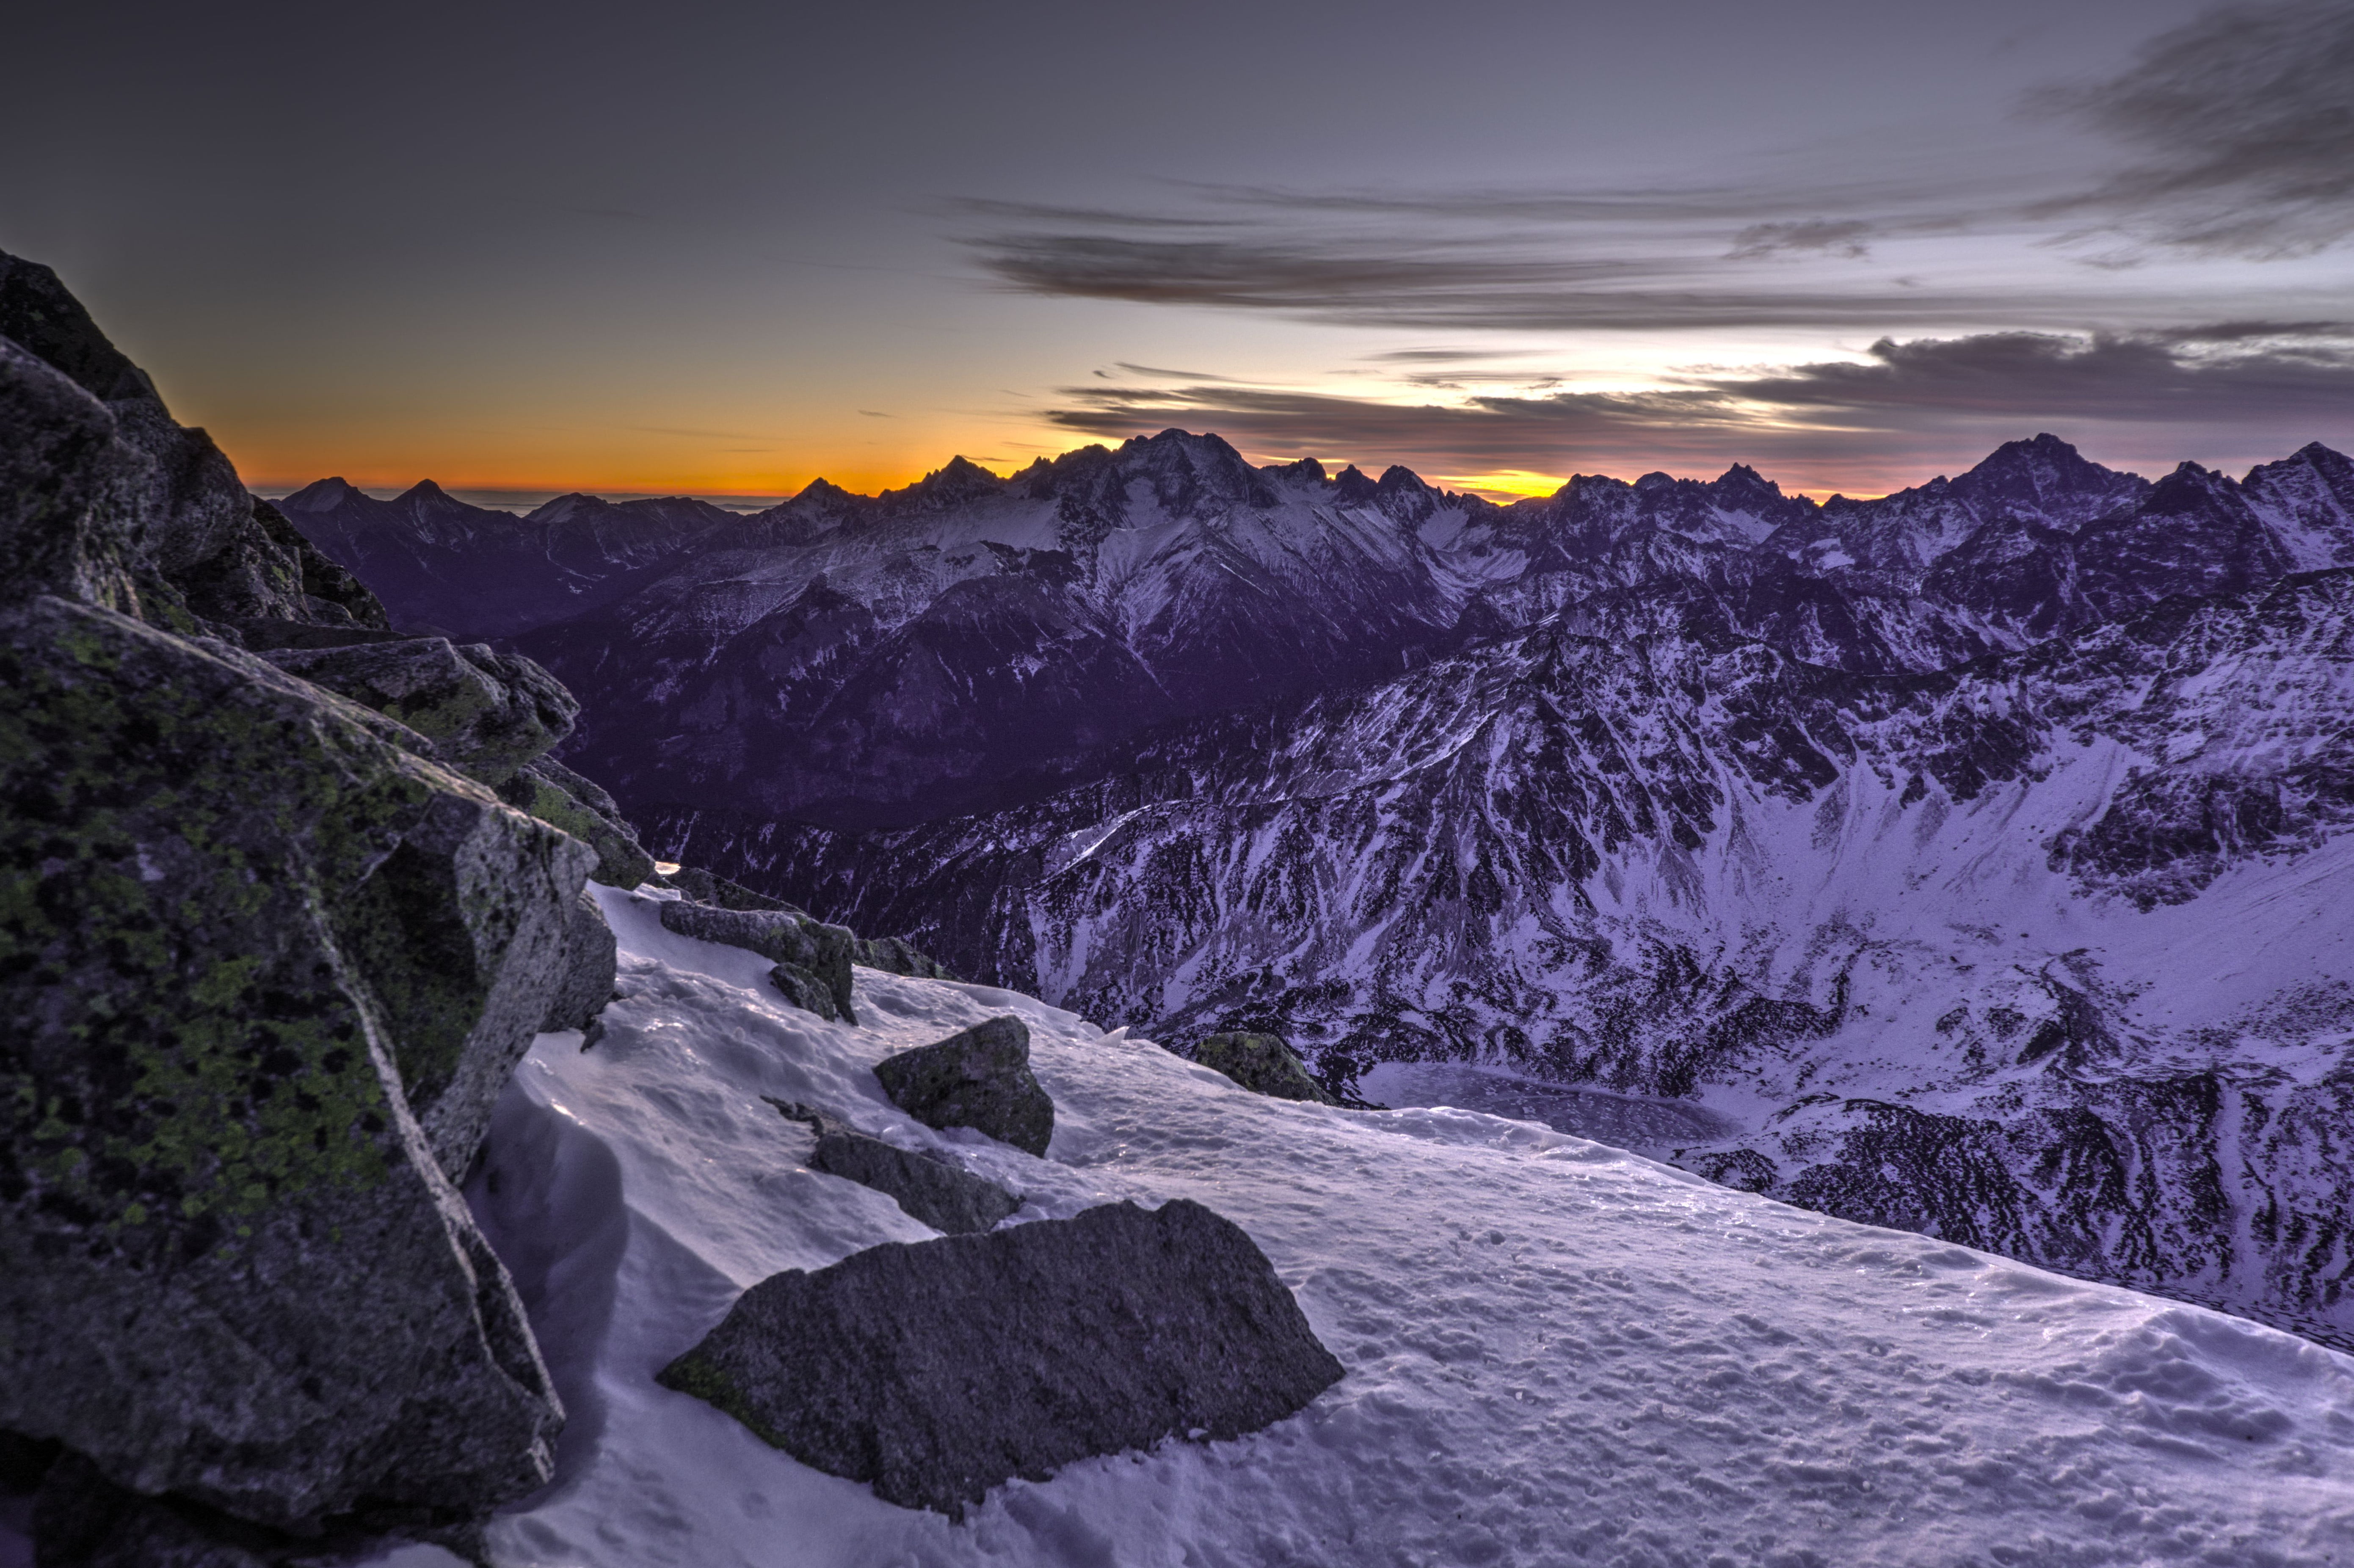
<point>474,571</point>
<point>1970,857</point>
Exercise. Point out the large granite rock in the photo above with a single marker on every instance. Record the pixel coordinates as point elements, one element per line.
<point>232,1264</point>
<point>486,713</point>
<point>1262,1064</point>
<point>936,1369</point>
<point>925,1185</point>
<point>979,1077</point>
<point>111,502</point>
<point>558,796</point>
<point>266,966</point>
<point>591,964</point>
<point>897,955</point>
<point>812,959</point>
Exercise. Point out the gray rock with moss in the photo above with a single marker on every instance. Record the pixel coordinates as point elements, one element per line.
<point>232,1265</point>
<point>897,955</point>
<point>563,798</point>
<point>486,713</point>
<point>812,959</point>
<point>927,1187</point>
<point>267,966</point>
<point>104,498</point>
<point>979,1077</point>
<point>590,962</point>
<point>935,1371</point>
<point>1263,1064</point>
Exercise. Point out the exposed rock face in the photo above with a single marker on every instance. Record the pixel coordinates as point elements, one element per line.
<point>233,1266</point>
<point>935,1371</point>
<point>812,959</point>
<point>1262,1064</point>
<point>267,961</point>
<point>897,956</point>
<point>925,1185</point>
<point>979,1077</point>
<point>589,964</point>
<point>563,798</point>
<point>487,713</point>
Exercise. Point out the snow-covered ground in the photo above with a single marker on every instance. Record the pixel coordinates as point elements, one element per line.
<point>1556,1351</point>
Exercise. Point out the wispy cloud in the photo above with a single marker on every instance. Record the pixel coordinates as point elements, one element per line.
<point>1856,424</point>
<point>2242,122</point>
<point>1845,236</point>
<point>2234,135</point>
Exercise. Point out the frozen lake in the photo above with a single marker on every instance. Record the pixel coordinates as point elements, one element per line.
<point>1623,1121</point>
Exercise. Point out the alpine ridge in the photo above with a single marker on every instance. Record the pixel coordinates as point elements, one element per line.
<point>1967,860</point>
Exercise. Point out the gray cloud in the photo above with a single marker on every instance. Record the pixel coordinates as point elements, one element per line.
<point>1842,237</point>
<point>1155,370</point>
<point>2245,119</point>
<point>2112,377</point>
<point>2238,131</point>
<point>1910,407</point>
<point>1440,284</point>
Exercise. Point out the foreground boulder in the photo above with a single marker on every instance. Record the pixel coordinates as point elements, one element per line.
<point>926,1186</point>
<point>979,1077</point>
<point>236,923</point>
<point>265,963</point>
<point>1262,1064</point>
<point>812,959</point>
<point>585,975</point>
<point>935,1371</point>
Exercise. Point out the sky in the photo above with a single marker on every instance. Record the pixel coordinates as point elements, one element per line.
<point>725,249</point>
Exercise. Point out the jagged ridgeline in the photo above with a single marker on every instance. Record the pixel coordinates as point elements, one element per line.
<point>1974,855</point>
<point>285,893</point>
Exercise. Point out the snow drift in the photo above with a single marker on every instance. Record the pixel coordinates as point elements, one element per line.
<point>1556,1351</point>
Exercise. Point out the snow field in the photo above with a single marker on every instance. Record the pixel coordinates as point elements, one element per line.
<point>1557,1353</point>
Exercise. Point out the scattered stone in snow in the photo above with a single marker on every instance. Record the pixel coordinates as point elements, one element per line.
<point>812,959</point>
<point>979,1077</point>
<point>937,1369</point>
<point>926,1186</point>
<point>1262,1064</point>
<point>898,956</point>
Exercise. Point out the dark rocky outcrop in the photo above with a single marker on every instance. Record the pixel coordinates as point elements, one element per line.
<point>936,1369</point>
<point>268,959</point>
<point>929,1188</point>
<point>232,1265</point>
<point>979,1077</point>
<point>590,965</point>
<point>1262,1064</point>
<point>487,713</point>
<point>563,798</point>
<point>897,956</point>
<point>812,959</point>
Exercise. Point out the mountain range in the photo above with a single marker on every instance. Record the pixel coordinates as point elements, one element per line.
<point>1969,860</point>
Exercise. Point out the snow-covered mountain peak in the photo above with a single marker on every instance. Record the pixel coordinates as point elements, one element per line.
<point>2047,480</point>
